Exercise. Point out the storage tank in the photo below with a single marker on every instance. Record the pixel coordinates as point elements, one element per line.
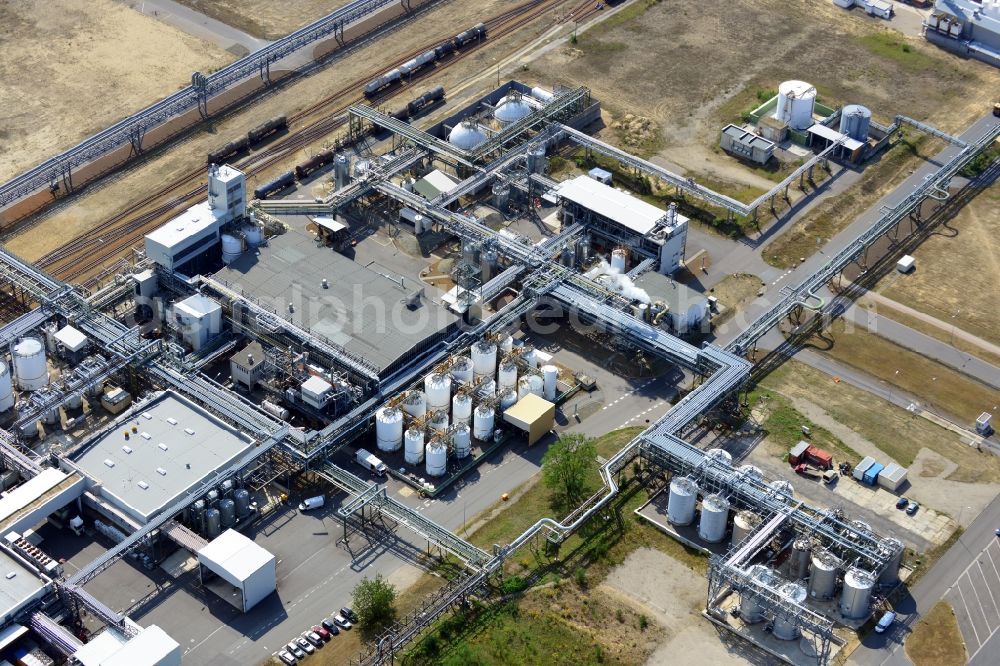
<point>682,500</point>
<point>782,487</point>
<point>437,387</point>
<point>466,136</point>
<point>506,344</point>
<point>482,423</point>
<point>744,523</point>
<point>196,517</point>
<point>536,385</point>
<point>461,439</point>
<point>796,100</point>
<point>29,430</point>
<point>487,389</point>
<point>720,455</point>
<point>530,358</point>
<point>415,404</point>
<point>501,196</point>
<point>857,593</point>
<point>523,387</point>
<point>437,458</point>
<point>212,497</point>
<point>508,398</point>
<point>752,472</point>
<point>550,375</point>
<point>73,402</point>
<point>413,446</point>
<point>213,523</point>
<point>823,575</point>
<point>461,369</point>
<point>227,513</point>
<point>855,121</point>
<point>274,409</point>
<point>798,561</point>
<point>890,575</point>
<point>232,248</point>
<point>785,627</point>
<point>461,409</point>
<point>484,359</point>
<point>714,518</point>
<point>751,611</point>
<point>50,330</point>
<point>439,422</point>
<point>254,235</point>
<point>6,388</point>
<point>389,428</point>
<point>619,258</point>
<point>542,95</point>
<point>29,364</point>
<point>341,171</point>
<point>512,109</point>
<point>50,416</point>
<point>242,500</point>
<point>507,377</point>
<point>536,160</point>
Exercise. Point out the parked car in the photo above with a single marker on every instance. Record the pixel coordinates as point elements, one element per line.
<point>342,621</point>
<point>829,476</point>
<point>306,646</point>
<point>322,632</point>
<point>998,531</point>
<point>313,638</point>
<point>885,622</point>
<point>911,508</point>
<point>349,614</point>
<point>330,626</point>
<point>287,658</point>
<point>902,502</point>
<point>296,651</point>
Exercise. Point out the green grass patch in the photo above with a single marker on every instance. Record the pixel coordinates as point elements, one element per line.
<point>981,162</point>
<point>893,46</point>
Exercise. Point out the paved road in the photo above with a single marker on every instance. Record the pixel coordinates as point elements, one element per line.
<point>201,26</point>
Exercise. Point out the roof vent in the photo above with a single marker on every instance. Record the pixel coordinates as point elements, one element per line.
<point>172,421</point>
<point>127,449</point>
<point>147,416</point>
<point>146,435</point>
<point>109,462</point>
<point>143,485</point>
<point>189,431</point>
<point>161,471</point>
<point>162,446</point>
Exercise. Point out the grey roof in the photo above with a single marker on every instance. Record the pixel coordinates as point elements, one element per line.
<point>17,589</point>
<point>679,297</point>
<point>747,138</point>
<point>361,310</point>
<point>252,349</point>
<point>178,446</point>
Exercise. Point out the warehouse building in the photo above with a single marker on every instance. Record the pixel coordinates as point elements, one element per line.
<point>238,570</point>
<point>966,27</point>
<point>150,646</point>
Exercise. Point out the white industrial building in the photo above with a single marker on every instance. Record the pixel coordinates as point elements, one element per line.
<point>624,219</point>
<point>199,319</point>
<point>237,569</point>
<point>679,307</point>
<point>149,647</point>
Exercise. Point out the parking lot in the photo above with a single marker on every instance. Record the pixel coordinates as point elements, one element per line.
<point>975,596</point>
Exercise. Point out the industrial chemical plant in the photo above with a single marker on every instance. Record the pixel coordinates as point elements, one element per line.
<point>268,335</point>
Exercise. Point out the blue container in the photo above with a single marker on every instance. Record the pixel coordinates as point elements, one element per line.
<point>871,474</point>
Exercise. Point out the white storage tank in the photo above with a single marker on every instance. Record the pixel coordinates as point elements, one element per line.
<point>512,109</point>
<point>542,95</point>
<point>484,359</point>
<point>796,100</point>
<point>415,404</point>
<point>439,422</point>
<point>530,358</point>
<point>506,344</point>
<point>413,446</point>
<point>437,388</point>
<point>507,377</point>
<point>461,409</point>
<point>461,369</point>
<point>720,455</point>
<point>782,487</point>
<point>744,523</point>
<point>487,389</point>
<point>682,500</point>
<point>752,472</point>
<point>523,387</point>
<point>752,612</point>
<point>785,627</point>
<point>466,136</point>
<point>275,409</point>
<point>714,518</point>
<point>823,575</point>
<point>619,258</point>
<point>73,402</point>
<point>890,575</point>
<point>389,429</point>
<point>482,423</point>
<point>550,376</point>
<point>232,248</point>
<point>857,593</point>
<point>254,235</point>
<point>508,398</point>
<point>6,388</point>
<point>437,458</point>
<point>30,368</point>
<point>798,561</point>
<point>855,120</point>
<point>461,439</point>
<point>536,385</point>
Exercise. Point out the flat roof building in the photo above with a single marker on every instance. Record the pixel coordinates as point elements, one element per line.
<point>149,647</point>
<point>176,447</point>
<point>237,569</point>
<point>685,308</point>
<point>247,365</point>
<point>532,414</point>
<point>19,586</point>
<point>747,145</point>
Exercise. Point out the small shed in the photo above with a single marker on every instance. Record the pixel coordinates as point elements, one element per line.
<point>72,340</point>
<point>247,365</point>
<point>796,453</point>
<point>534,415</point>
<point>600,175</point>
<point>892,477</point>
<point>316,392</point>
<point>237,569</point>
<point>859,471</point>
<point>905,264</point>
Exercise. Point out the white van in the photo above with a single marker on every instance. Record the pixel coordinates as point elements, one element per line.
<point>312,503</point>
<point>885,622</point>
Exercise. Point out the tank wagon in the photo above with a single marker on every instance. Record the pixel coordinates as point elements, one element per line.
<point>473,35</point>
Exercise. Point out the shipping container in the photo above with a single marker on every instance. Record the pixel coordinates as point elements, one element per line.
<point>819,457</point>
<point>892,477</point>
<point>871,474</point>
<point>859,471</point>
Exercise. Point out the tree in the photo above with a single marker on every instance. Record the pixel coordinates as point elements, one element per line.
<point>374,602</point>
<point>566,464</point>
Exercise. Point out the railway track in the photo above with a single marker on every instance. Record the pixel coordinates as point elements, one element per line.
<point>87,253</point>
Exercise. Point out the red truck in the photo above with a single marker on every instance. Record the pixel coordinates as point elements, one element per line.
<point>818,457</point>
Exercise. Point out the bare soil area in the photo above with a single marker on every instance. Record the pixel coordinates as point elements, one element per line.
<point>264,18</point>
<point>71,68</point>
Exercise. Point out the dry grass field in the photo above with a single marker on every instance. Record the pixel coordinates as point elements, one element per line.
<point>936,639</point>
<point>70,68</point>
<point>264,18</point>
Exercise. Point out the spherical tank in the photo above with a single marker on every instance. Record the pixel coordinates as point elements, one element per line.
<point>466,136</point>
<point>213,523</point>
<point>823,575</point>
<point>857,594</point>
<point>714,517</point>
<point>415,404</point>
<point>232,248</point>
<point>798,563</point>
<point>506,344</point>
<point>550,376</point>
<point>752,472</point>
<point>6,388</point>
<point>682,500</point>
<point>413,446</point>
<point>855,121</point>
<point>750,610</point>
<point>227,513</point>
<point>461,439</point>
<point>242,500</point>
<point>744,523</point>
<point>439,422</point>
<point>890,575</point>
<point>536,385</point>
<point>523,387</point>
<point>484,359</point>
<point>782,487</point>
<point>482,422</point>
<point>389,428</point>
<point>461,369</point>
<point>508,398</point>
<point>461,409</point>
<point>437,458</point>
<point>512,109</point>
<point>796,100</point>
<point>721,455</point>
<point>619,258</point>
<point>507,377</point>
<point>29,364</point>
<point>438,390</point>
<point>785,627</point>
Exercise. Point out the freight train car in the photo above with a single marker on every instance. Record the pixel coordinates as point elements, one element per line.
<point>261,132</point>
<point>315,162</point>
<point>229,150</point>
<point>476,33</point>
<point>425,100</point>
<point>276,185</point>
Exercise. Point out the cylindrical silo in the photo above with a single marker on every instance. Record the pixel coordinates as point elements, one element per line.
<point>506,344</point>
<point>196,516</point>
<point>439,422</point>
<point>530,357</point>
<point>242,500</point>
<point>389,429</point>
<point>823,574</point>
<point>213,523</point>
<point>619,259</point>
<point>750,610</point>
<point>415,404</point>
<point>855,121</point>
<point>714,517</point>
<point>798,561</point>
<point>721,455</point>
<point>461,409</point>
<point>484,359</point>
<point>437,458</point>
<point>508,398</point>
<point>6,388</point>
<point>523,387</point>
<point>30,368</point>
<point>782,487</point>
<point>536,385</point>
<point>461,439</point>
<point>682,500</point>
<point>487,389</point>
<point>212,497</point>
<point>482,423</point>
<point>550,375</point>
<point>227,513</point>
<point>857,593</point>
<point>232,248</point>
<point>437,387</point>
<point>413,446</point>
<point>890,575</point>
<point>507,377</point>
<point>744,523</point>
<point>796,100</point>
<point>785,627</point>
<point>461,369</point>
